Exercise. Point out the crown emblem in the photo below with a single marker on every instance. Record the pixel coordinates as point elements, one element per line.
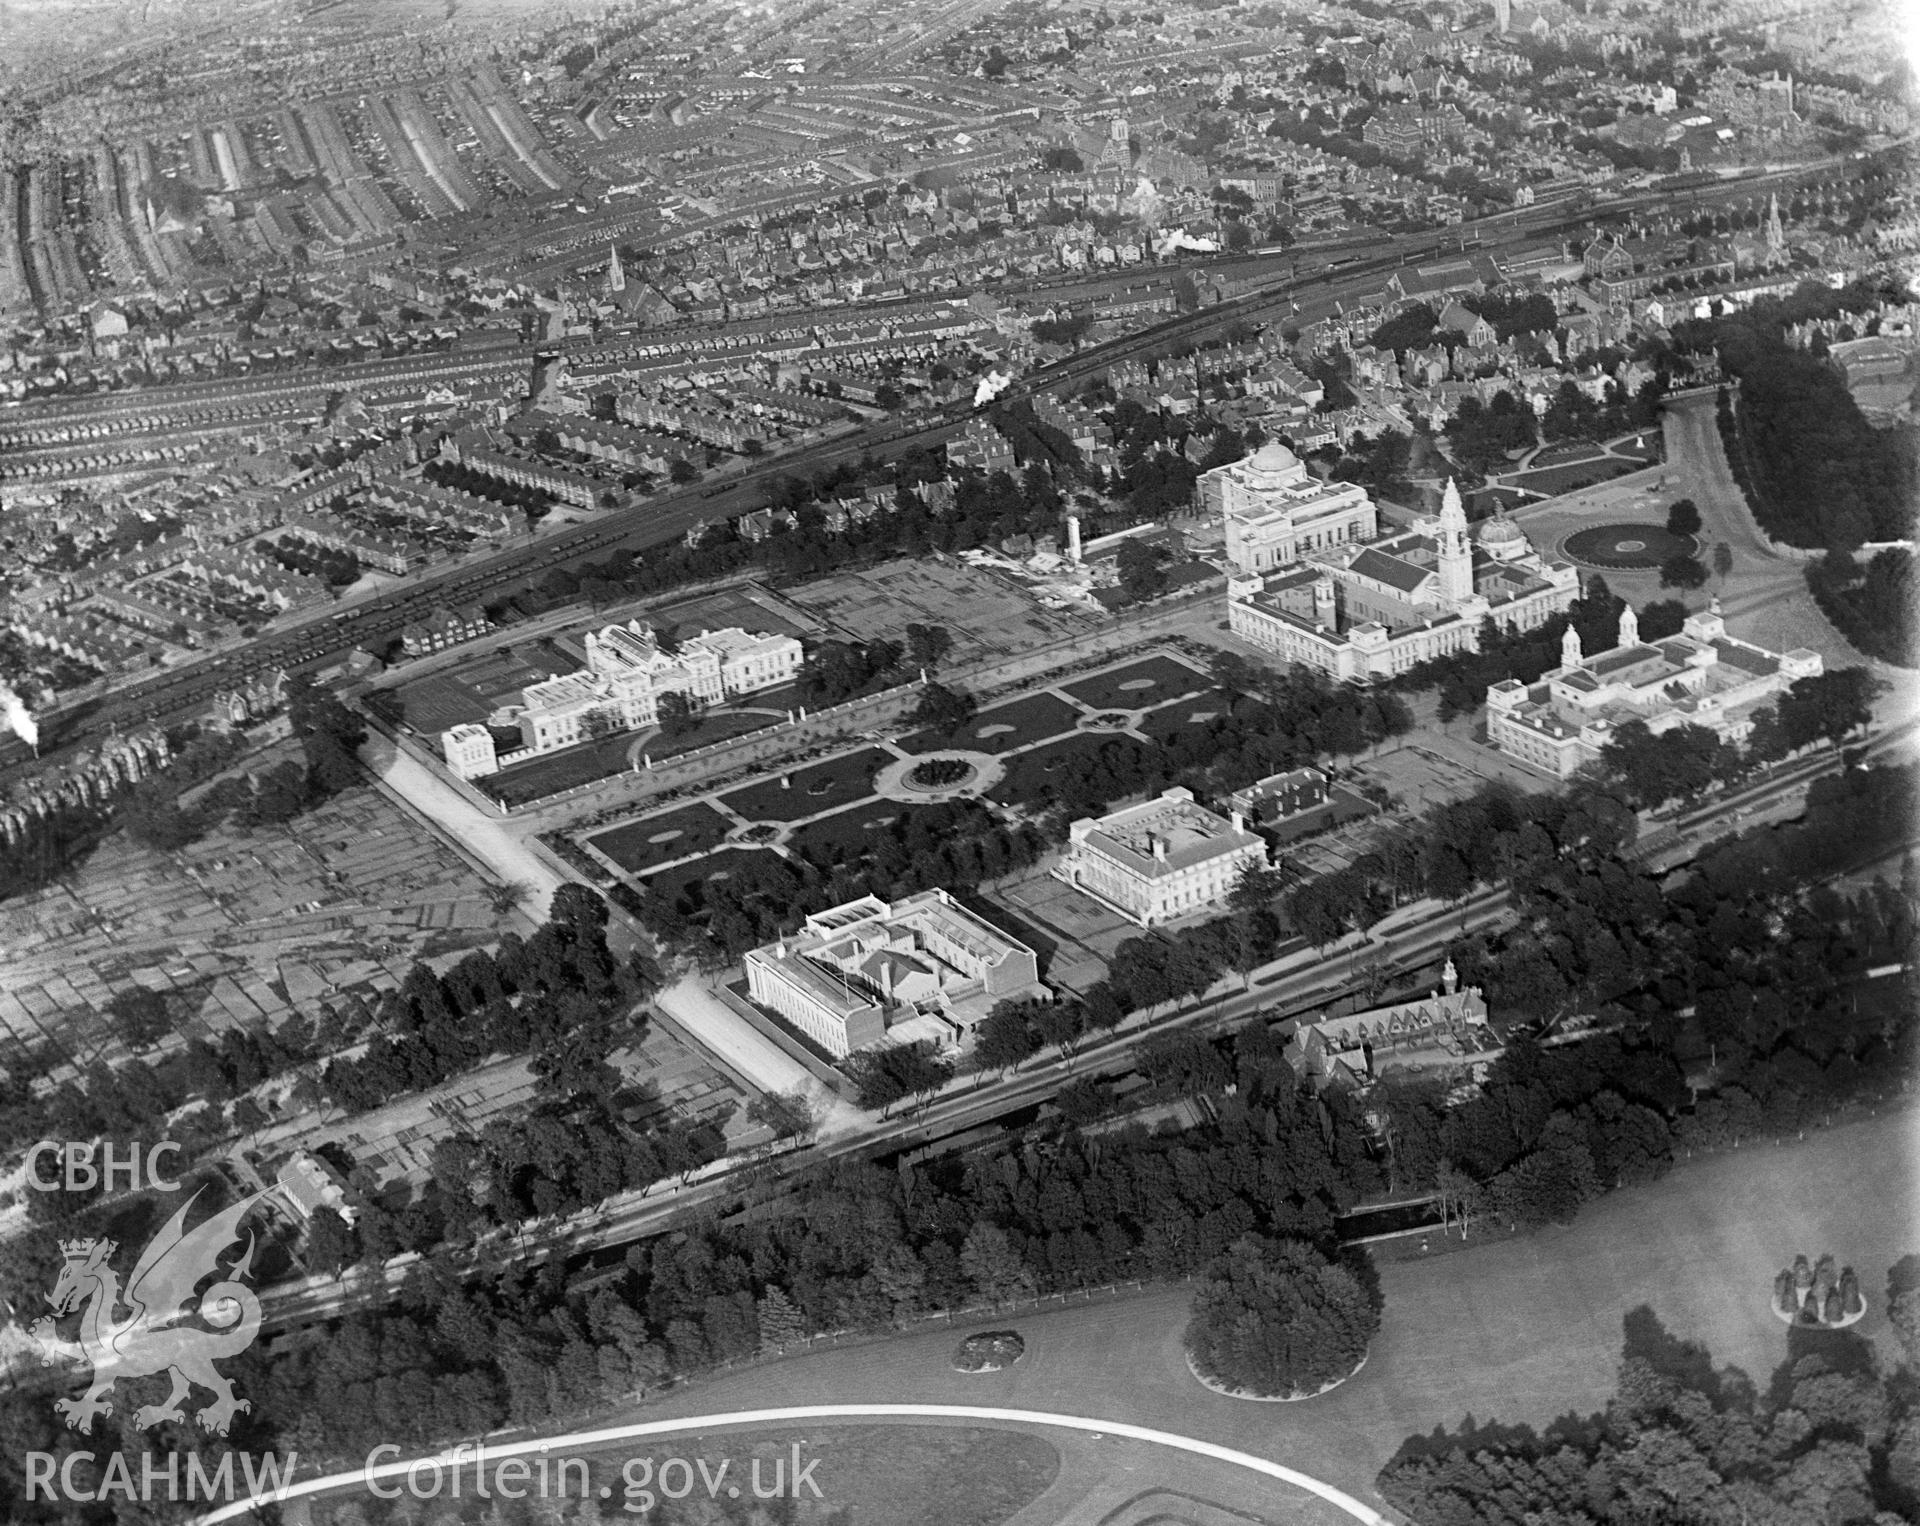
<point>82,1250</point>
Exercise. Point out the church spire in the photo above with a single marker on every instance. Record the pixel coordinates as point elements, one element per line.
<point>616,276</point>
<point>1776,235</point>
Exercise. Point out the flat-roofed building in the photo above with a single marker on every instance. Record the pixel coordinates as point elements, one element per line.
<point>1701,677</point>
<point>855,971</point>
<point>1165,859</point>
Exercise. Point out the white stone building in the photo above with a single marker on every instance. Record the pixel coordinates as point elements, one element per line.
<point>856,971</point>
<point>620,689</point>
<point>1701,677</point>
<point>1165,859</point>
<point>1360,611</point>
<point>1275,512</point>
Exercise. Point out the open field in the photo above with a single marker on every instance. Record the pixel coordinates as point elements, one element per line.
<point>804,791</point>
<point>1138,685</point>
<point>1510,1330</point>
<point>1003,728</point>
<point>986,616</point>
<point>638,846</point>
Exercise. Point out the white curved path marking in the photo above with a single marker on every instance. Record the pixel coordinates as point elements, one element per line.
<point>579,1439</point>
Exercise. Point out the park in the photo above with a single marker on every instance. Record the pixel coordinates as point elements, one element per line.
<point>1519,1330</point>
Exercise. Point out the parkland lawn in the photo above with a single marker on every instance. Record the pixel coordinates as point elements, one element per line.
<point>1516,1330</point>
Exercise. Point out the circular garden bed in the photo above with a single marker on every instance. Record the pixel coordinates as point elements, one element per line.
<point>940,773</point>
<point>1627,546</point>
<point>937,775</point>
<point>989,1351</point>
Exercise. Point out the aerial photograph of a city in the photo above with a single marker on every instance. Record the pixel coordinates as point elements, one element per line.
<point>1048,763</point>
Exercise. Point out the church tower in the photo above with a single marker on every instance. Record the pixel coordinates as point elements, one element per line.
<point>616,275</point>
<point>1456,550</point>
<point>1776,235</point>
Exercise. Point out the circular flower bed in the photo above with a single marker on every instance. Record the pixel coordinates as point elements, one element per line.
<point>940,773</point>
<point>1627,546</point>
<point>1108,720</point>
<point>1818,1295</point>
<point>989,1351</point>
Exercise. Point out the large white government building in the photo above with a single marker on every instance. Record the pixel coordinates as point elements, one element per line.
<point>1313,584</point>
<point>855,972</point>
<point>1701,677</point>
<point>1275,512</point>
<point>627,674</point>
<point>1161,860</point>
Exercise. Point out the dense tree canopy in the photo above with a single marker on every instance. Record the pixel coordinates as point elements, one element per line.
<point>1278,1318</point>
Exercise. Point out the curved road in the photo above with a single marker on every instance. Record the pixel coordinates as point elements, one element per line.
<point>583,1439</point>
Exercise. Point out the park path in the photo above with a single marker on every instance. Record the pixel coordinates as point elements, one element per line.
<point>1516,1330</point>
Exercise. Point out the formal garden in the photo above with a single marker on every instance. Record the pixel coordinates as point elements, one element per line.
<point>1003,728</point>
<point>1627,546</point>
<point>638,846</point>
<point>1137,686</point>
<point>788,796</point>
<point>940,773</point>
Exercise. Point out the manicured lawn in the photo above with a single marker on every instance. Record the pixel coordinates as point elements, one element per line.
<point>1568,479</point>
<point>849,831</point>
<point>1643,447</point>
<point>715,726</point>
<point>1028,775</point>
<point>1170,720</point>
<point>559,771</point>
<point>867,1475</point>
<point>637,846</point>
<point>1629,545</point>
<point>1569,450</point>
<point>817,787</point>
<point>712,869</point>
<point>1004,727</point>
<point>1153,681</point>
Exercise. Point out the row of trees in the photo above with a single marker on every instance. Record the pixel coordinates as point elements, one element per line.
<point>1873,606</point>
<point>1815,471</point>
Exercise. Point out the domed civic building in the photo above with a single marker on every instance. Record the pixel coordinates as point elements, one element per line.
<point>1275,511</point>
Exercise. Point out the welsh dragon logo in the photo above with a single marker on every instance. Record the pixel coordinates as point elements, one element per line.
<point>155,1337</point>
